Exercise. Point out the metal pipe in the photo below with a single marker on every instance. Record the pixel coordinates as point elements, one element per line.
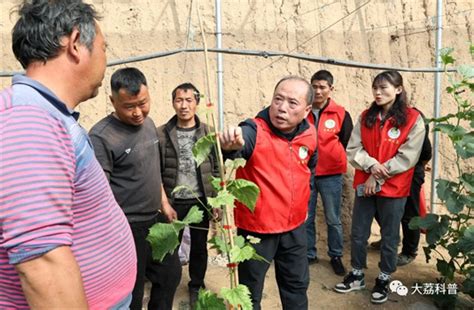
<point>437,104</point>
<point>264,54</point>
<point>220,70</point>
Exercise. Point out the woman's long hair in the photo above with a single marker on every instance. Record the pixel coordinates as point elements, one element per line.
<point>397,112</point>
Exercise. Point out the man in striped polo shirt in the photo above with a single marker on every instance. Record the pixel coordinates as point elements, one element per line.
<point>64,241</point>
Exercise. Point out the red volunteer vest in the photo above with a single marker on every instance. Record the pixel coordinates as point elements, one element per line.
<point>332,157</point>
<point>280,168</point>
<point>382,143</point>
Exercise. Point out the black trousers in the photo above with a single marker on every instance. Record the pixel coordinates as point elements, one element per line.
<point>164,276</point>
<point>411,238</point>
<point>288,250</point>
<point>198,252</point>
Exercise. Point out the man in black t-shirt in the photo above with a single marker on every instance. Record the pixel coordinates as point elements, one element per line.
<point>127,147</point>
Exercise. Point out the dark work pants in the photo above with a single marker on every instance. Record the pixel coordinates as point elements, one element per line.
<point>198,252</point>
<point>288,250</point>
<point>411,238</point>
<point>164,276</point>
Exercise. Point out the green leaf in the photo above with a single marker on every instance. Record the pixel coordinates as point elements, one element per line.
<point>435,233</point>
<point>182,188</point>
<point>466,71</point>
<point>465,146</point>
<point>466,242</point>
<point>163,238</point>
<point>444,188</point>
<point>454,132</point>
<point>446,57</point>
<point>216,183</point>
<point>209,300</point>
<point>194,216</point>
<point>238,255</point>
<point>471,50</point>
<point>203,147</point>
<point>245,192</point>
<point>453,249</point>
<point>440,119</point>
<point>235,163</point>
<point>446,269</point>
<point>468,286</point>
<point>219,244</point>
<point>454,204</point>
<point>467,179</point>
<point>427,222</point>
<point>239,241</point>
<point>464,150</point>
<point>223,198</point>
<point>450,89</point>
<point>238,296</point>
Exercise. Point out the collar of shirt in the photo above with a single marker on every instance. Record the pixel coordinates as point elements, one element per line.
<point>45,92</point>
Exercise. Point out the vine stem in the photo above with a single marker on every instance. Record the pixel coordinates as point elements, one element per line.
<point>234,281</point>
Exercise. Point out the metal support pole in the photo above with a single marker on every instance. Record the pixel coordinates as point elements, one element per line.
<point>437,104</point>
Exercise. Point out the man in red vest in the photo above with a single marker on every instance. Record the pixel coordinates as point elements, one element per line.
<point>280,148</point>
<point>334,127</point>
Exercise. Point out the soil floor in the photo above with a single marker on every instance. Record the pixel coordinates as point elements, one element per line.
<point>323,279</point>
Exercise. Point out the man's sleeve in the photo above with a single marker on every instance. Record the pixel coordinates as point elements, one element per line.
<point>37,170</point>
<point>313,160</point>
<point>346,130</point>
<point>426,150</point>
<point>102,153</point>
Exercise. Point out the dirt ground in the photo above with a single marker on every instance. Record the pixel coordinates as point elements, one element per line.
<point>322,280</point>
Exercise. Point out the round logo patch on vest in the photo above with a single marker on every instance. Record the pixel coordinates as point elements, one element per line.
<point>394,133</point>
<point>330,124</point>
<point>303,152</point>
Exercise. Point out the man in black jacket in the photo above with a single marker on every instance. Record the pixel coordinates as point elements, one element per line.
<point>177,138</point>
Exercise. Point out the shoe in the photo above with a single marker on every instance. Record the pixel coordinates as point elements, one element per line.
<point>193,297</point>
<point>380,291</point>
<point>350,283</point>
<point>404,259</point>
<point>375,245</point>
<point>313,260</point>
<point>337,266</point>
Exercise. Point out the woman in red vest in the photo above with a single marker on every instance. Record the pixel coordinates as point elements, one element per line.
<point>384,148</point>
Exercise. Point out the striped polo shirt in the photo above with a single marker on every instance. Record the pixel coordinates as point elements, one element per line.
<point>53,192</point>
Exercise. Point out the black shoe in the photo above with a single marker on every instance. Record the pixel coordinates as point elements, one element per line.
<point>337,266</point>
<point>313,260</point>
<point>350,283</point>
<point>404,259</point>
<point>193,297</point>
<point>380,291</point>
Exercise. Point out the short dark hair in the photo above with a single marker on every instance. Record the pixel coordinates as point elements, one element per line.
<point>309,92</point>
<point>130,79</point>
<point>185,87</point>
<point>37,34</point>
<point>323,75</point>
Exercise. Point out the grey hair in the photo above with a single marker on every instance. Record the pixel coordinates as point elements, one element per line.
<point>309,92</point>
<point>37,34</point>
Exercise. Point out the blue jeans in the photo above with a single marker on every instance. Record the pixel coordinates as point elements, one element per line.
<point>330,189</point>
